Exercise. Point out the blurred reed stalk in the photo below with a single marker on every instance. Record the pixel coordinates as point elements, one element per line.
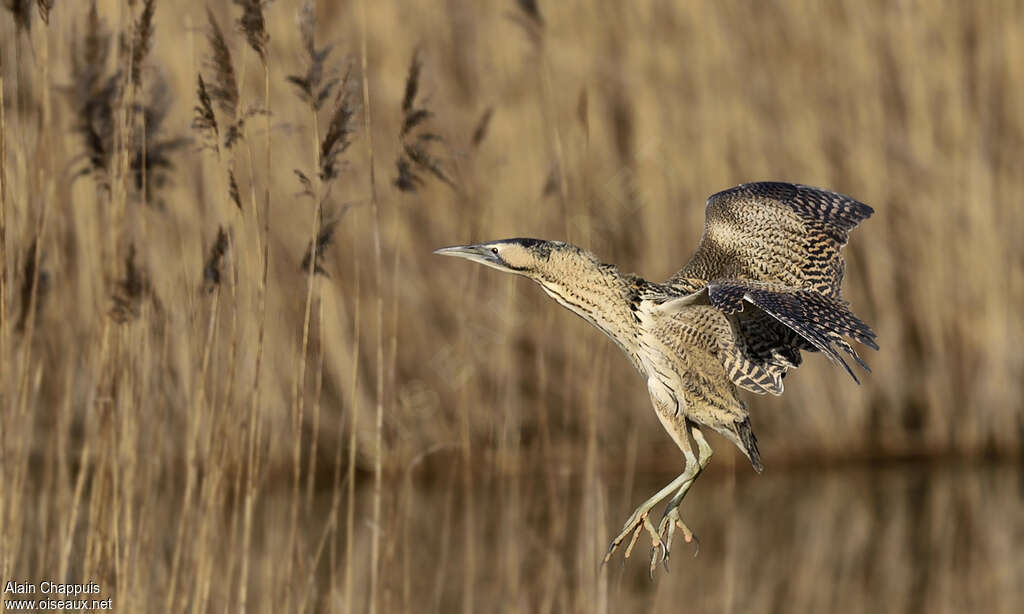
<point>316,89</point>
<point>379,308</point>
<point>4,260</point>
<point>353,443</point>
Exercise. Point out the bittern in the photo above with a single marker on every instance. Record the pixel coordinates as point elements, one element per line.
<point>763,285</point>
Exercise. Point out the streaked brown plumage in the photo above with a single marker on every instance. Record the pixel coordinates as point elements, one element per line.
<point>763,285</point>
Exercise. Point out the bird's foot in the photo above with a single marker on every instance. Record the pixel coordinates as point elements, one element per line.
<point>634,526</point>
<point>666,531</point>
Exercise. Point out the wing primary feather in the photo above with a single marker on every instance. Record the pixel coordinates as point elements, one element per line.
<point>846,347</point>
<point>820,320</point>
<point>816,339</point>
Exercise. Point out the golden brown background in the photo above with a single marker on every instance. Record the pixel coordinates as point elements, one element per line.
<point>143,449</point>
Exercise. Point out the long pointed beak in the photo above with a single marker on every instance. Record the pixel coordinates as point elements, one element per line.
<point>462,251</point>
<point>477,253</point>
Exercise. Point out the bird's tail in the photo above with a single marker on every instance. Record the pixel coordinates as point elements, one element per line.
<point>746,435</point>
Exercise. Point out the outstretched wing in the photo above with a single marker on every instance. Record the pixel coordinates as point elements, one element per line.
<point>774,232</point>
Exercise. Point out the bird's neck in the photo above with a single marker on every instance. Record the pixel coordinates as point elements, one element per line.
<point>600,294</point>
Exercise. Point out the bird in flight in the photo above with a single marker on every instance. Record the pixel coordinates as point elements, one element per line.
<point>763,286</point>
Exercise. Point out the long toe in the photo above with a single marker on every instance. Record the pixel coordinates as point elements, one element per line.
<point>636,524</point>
<point>667,530</point>
<point>629,529</point>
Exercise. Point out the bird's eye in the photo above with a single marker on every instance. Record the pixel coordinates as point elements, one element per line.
<point>494,250</point>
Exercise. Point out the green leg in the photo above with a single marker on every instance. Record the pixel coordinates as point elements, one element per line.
<point>670,519</point>
<point>640,520</point>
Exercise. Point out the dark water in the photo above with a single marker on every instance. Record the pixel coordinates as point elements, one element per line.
<point>917,538</point>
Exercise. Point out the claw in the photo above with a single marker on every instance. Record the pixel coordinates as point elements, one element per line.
<point>655,550</point>
<point>669,523</point>
<point>671,531</point>
<point>607,555</point>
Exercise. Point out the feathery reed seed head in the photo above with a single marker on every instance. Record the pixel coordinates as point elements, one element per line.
<point>21,11</point>
<point>223,88</point>
<point>204,120</point>
<point>142,39</point>
<point>130,290</point>
<point>45,6</point>
<point>312,88</point>
<point>233,191</point>
<point>319,247</point>
<point>339,134</point>
<point>213,268</point>
<point>252,24</point>
<point>416,156</point>
<point>32,281</point>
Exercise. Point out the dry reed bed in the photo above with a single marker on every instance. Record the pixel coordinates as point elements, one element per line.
<point>208,282</point>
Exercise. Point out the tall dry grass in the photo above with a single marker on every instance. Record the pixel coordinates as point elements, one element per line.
<point>218,315</point>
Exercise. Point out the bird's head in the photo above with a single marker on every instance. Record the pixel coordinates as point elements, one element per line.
<point>528,257</point>
<point>572,276</point>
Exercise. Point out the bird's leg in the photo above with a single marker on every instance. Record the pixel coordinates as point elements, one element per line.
<point>670,519</point>
<point>639,519</point>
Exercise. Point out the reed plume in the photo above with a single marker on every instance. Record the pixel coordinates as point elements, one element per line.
<point>317,248</point>
<point>253,26</point>
<point>35,283</point>
<point>223,88</point>
<point>21,11</point>
<point>44,6</point>
<point>314,87</point>
<point>415,157</point>
<point>204,120</point>
<point>142,39</point>
<point>130,290</point>
<point>214,267</point>
<point>98,97</point>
